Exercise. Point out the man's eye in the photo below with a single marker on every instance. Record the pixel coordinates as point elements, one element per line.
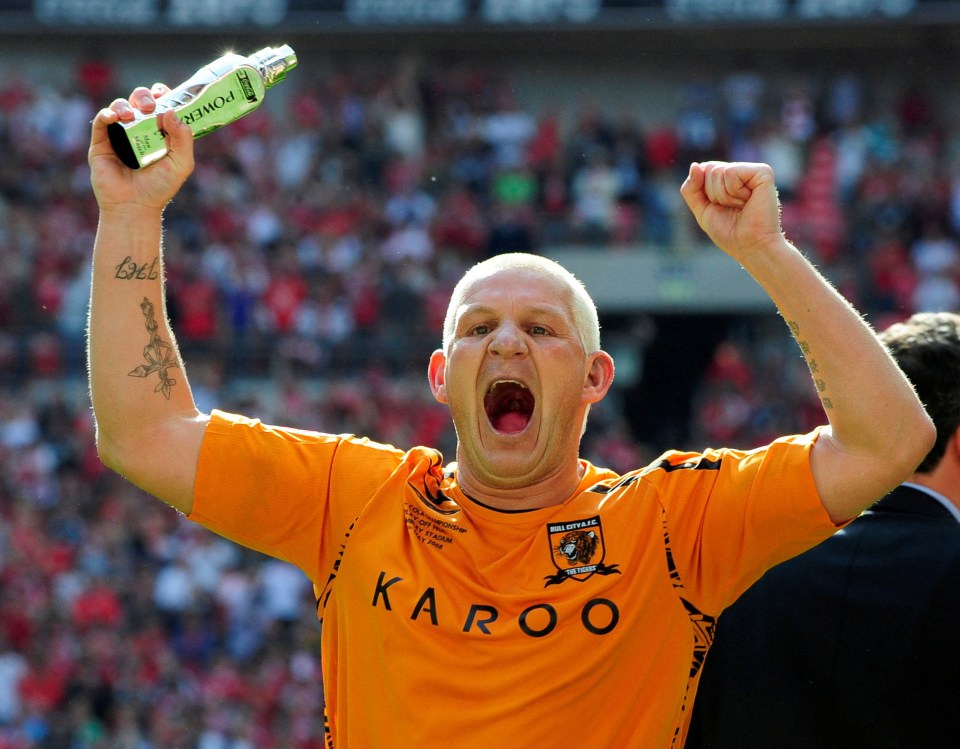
<point>538,330</point>
<point>480,329</point>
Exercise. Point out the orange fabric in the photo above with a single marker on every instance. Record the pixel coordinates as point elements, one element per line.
<point>447,623</point>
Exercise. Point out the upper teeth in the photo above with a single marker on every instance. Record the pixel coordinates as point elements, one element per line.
<point>505,382</point>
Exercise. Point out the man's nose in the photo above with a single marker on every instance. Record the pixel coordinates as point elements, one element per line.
<point>508,340</point>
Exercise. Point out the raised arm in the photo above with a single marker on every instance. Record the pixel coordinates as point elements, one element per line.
<point>148,426</point>
<point>878,431</point>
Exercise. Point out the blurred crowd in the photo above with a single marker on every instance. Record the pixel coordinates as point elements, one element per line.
<point>309,260</point>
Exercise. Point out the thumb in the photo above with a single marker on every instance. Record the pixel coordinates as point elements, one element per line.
<point>179,139</point>
<point>693,191</point>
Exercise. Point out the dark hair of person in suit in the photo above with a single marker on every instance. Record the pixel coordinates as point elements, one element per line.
<point>927,348</point>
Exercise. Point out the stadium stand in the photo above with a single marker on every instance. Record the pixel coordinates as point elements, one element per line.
<point>331,224</point>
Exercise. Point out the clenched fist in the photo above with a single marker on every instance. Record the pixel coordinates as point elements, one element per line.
<point>736,205</point>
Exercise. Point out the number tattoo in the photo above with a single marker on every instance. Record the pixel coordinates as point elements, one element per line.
<point>128,270</point>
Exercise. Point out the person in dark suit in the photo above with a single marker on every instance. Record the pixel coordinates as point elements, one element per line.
<point>852,644</point>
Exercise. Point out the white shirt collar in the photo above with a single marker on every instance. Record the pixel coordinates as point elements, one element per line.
<point>954,510</point>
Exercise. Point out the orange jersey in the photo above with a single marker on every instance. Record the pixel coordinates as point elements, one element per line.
<point>449,623</point>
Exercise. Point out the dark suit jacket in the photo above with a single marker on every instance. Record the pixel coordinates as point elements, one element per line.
<point>853,644</point>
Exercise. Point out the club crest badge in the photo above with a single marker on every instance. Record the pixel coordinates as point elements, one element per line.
<point>577,551</point>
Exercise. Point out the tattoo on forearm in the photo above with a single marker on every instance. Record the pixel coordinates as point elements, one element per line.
<point>818,382</point>
<point>160,355</point>
<point>128,270</point>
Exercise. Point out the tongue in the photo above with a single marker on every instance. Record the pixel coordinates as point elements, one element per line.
<point>511,422</point>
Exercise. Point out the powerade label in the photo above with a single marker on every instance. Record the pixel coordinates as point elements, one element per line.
<point>190,116</point>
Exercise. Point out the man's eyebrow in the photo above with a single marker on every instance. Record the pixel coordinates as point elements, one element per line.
<point>483,309</point>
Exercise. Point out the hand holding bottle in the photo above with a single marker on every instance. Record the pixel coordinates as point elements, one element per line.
<point>115,184</point>
<point>225,90</point>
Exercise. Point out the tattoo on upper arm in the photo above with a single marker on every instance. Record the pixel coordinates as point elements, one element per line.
<point>128,270</point>
<point>159,354</point>
<point>818,382</point>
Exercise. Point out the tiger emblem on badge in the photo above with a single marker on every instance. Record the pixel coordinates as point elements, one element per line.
<point>577,550</point>
<point>578,547</point>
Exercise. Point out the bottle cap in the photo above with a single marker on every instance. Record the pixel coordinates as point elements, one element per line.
<point>274,62</point>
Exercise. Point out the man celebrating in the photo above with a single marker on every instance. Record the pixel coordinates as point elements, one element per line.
<point>519,594</point>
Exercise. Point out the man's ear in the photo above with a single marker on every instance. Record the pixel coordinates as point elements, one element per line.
<point>599,377</point>
<point>436,372</point>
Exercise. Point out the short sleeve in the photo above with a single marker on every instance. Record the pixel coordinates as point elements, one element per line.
<point>739,513</point>
<point>288,493</point>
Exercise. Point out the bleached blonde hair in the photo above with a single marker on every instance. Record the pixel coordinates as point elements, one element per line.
<point>582,306</point>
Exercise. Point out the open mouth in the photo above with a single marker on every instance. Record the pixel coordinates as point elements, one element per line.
<point>509,406</point>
